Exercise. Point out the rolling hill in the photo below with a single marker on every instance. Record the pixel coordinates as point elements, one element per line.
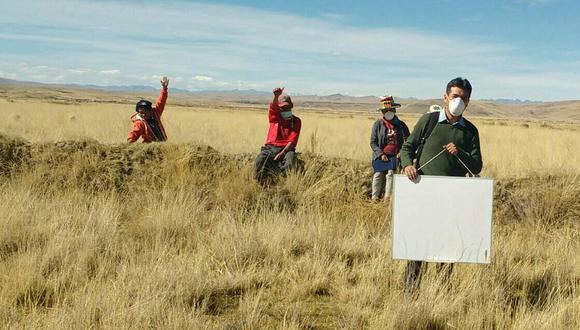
<point>12,90</point>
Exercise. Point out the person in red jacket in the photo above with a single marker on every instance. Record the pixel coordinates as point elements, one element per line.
<point>278,155</point>
<point>147,121</point>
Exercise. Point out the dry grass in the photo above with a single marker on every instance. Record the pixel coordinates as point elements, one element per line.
<point>509,149</point>
<point>88,242</point>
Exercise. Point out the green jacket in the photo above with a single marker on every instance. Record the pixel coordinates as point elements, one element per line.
<point>465,137</point>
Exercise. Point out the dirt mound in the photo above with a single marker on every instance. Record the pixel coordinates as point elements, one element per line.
<point>90,164</point>
<point>13,153</point>
<point>323,182</point>
<point>547,199</point>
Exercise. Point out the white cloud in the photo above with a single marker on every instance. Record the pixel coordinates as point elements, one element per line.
<point>248,30</point>
<point>202,82</point>
<point>79,71</point>
<point>332,16</point>
<point>536,2</point>
<point>312,54</point>
<point>201,78</point>
<point>7,75</point>
<point>110,72</point>
<point>40,77</point>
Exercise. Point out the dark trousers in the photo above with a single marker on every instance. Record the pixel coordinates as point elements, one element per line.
<point>265,167</point>
<point>414,271</point>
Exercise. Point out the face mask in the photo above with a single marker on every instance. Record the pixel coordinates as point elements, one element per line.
<point>389,115</point>
<point>456,106</point>
<point>286,114</point>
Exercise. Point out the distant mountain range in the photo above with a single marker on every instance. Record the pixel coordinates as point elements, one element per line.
<point>510,101</point>
<point>13,90</point>
<point>130,88</point>
<point>248,92</point>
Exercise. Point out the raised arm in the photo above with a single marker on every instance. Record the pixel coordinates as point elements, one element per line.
<point>274,110</point>
<point>160,103</point>
<point>277,92</point>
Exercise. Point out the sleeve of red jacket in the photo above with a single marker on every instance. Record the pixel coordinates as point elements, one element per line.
<point>160,103</point>
<point>295,134</point>
<point>137,131</point>
<point>274,113</point>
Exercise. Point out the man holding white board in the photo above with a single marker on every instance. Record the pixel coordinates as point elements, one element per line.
<point>442,143</point>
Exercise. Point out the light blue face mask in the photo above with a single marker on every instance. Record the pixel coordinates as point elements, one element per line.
<point>286,114</point>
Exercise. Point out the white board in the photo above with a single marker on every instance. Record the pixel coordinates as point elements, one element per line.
<point>442,219</point>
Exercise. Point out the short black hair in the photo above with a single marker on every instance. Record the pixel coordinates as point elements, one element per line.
<point>461,83</point>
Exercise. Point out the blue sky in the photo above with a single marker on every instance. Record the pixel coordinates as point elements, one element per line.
<point>527,49</point>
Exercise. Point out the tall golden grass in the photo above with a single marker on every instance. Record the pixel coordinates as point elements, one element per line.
<point>178,235</point>
<point>509,148</point>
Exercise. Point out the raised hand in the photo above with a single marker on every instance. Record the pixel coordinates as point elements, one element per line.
<point>164,82</point>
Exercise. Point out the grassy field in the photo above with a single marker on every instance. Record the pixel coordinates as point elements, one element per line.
<point>177,235</point>
<point>510,148</point>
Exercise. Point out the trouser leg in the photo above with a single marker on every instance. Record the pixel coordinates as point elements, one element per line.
<point>413,276</point>
<point>289,162</point>
<point>389,183</point>
<point>378,185</point>
<point>445,270</point>
<point>263,163</point>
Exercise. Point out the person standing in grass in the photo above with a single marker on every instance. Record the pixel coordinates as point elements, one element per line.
<point>387,137</point>
<point>278,155</point>
<point>458,138</point>
<point>147,121</point>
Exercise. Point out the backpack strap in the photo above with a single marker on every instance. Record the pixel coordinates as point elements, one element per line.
<point>433,118</point>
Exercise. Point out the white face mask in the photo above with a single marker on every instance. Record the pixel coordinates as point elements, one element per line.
<point>286,114</point>
<point>389,115</point>
<point>456,106</point>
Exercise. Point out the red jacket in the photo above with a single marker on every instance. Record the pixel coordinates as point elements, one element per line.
<point>140,126</point>
<point>282,131</point>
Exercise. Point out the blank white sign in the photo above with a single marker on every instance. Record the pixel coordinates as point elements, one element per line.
<point>442,219</point>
